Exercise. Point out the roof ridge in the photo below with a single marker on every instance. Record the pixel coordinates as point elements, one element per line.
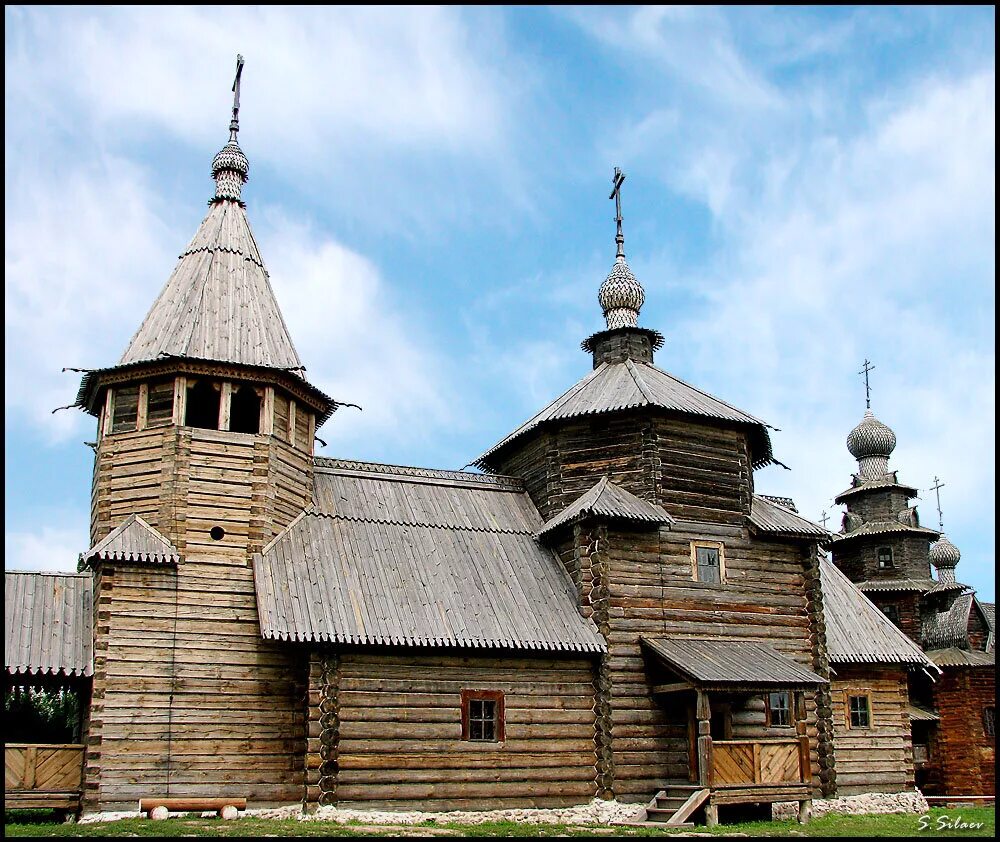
<point>451,527</point>
<point>500,482</point>
<point>637,379</point>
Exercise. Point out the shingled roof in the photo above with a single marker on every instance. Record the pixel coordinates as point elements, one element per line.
<point>48,624</point>
<point>218,303</point>
<point>409,556</point>
<point>949,627</point>
<point>856,631</point>
<point>609,501</point>
<point>769,517</point>
<point>134,540</point>
<point>885,527</point>
<point>629,384</point>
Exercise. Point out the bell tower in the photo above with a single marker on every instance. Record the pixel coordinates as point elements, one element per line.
<point>205,448</point>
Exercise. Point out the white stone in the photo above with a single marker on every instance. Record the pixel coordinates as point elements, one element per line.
<point>229,812</point>
<point>159,813</point>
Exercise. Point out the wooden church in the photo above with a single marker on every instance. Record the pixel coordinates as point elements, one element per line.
<point>607,608</point>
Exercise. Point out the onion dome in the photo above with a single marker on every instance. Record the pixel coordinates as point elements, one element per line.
<point>621,296</point>
<point>945,556</point>
<point>231,170</point>
<point>871,443</point>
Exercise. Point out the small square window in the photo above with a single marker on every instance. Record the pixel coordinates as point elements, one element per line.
<point>779,713</point>
<point>989,721</point>
<point>892,612</point>
<point>483,716</point>
<point>708,564</point>
<point>885,558</point>
<point>859,711</point>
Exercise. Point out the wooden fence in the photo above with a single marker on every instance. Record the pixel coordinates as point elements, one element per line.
<point>42,776</point>
<point>756,762</point>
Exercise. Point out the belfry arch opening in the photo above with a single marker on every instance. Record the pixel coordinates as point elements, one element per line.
<point>203,405</point>
<point>244,413</point>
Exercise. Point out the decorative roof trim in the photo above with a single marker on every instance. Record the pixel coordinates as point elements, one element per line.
<point>884,527</point>
<point>882,484</point>
<point>590,343</point>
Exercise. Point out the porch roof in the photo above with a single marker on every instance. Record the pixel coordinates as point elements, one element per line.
<point>730,664</point>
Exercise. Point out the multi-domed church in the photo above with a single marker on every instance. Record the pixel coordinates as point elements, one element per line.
<point>606,608</point>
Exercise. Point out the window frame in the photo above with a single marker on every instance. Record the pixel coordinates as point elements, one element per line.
<point>858,694</point>
<point>708,545</point>
<point>769,718</point>
<point>116,393</point>
<point>990,721</point>
<point>878,558</point>
<point>496,696</point>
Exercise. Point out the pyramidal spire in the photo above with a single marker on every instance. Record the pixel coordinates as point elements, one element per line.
<point>621,295</point>
<point>230,167</point>
<point>218,303</point>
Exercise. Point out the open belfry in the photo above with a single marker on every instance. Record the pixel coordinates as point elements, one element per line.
<point>606,608</point>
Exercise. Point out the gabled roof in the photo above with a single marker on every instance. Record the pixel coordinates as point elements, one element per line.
<point>767,516</point>
<point>218,303</point>
<point>949,627</point>
<point>856,631</point>
<point>885,527</point>
<point>407,556</point>
<point>727,663</point>
<point>48,624</point>
<point>134,540</point>
<point>609,501</point>
<point>989,610</point>
<point>629,384</point>
<point>919,714</point>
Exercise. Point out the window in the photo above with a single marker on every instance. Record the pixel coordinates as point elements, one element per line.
<point>708,562</point>
<point>125,412</point>
<point>483,716</point>
<point>859,711</point>
<point>160,403</point>
<point>892,612</point>
<point>779,714</point>
<point>989,721</point>
<point>203,405</point>
<point>244,412</point>
<point>885,558</point>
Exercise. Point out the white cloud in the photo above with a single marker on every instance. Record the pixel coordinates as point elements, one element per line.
<point>358,345</point>
<point>84,253</point>
<point>52,547</point>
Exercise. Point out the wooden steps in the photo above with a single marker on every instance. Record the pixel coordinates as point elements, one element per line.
<point>675,804</point>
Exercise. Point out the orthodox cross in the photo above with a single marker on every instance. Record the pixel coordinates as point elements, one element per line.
<point>868,391</point>
<point>234,124</point>
<point>938,485</point>
<point>824,519</point>
<point>616,194</point>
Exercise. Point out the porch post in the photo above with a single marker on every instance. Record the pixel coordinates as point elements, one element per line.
<point>704,715</point>
<point>805,771</point>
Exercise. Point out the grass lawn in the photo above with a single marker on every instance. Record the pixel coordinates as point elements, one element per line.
<point>938,822</point>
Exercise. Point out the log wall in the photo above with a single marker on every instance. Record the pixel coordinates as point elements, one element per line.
<point>878,758</point>
<point>188,699</point>
<point>386,731</point>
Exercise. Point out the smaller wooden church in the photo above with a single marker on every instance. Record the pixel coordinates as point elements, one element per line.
<point>608,609</point>
<point>883,548</point>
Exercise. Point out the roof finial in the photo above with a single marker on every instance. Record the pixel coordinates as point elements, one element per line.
<point>234,124</point>
<point>616,194</point>
<point>938,485</point>
<point>230,167</point>
<point>621,295</point>
<point>868,390</point>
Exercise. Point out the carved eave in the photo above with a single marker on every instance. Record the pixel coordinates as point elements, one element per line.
<point>94,382</point>
<point>864,487</point>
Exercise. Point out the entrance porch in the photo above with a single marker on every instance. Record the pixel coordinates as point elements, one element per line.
<point>745,710</point>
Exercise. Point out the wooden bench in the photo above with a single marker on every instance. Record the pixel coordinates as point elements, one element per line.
<point>191,805</point>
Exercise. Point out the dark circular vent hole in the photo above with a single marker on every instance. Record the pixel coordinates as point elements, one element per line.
<point>217,533</point>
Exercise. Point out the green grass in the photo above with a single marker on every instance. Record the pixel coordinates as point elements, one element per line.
<point>27,823</point>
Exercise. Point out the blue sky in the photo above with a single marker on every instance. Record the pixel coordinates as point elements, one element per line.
<point>806,188</point>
